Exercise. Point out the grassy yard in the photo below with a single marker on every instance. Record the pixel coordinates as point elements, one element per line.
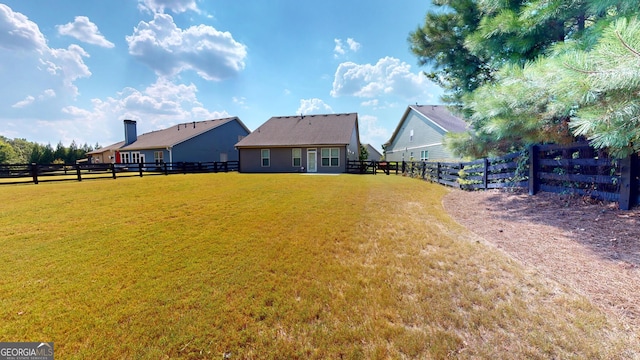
<point>274,266</point>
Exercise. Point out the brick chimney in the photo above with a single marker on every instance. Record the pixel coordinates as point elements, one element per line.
<point>130,132</point>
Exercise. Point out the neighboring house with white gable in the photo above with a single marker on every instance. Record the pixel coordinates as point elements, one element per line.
<point>420,132</point>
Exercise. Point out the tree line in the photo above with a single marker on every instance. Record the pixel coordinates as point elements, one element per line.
<point>21,151</point>
<point>536,71</point>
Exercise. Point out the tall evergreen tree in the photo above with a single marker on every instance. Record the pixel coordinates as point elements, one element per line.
<point>440,44</point>
<point>60,154</point>
<point>556,69</point>
<point>573,92</point>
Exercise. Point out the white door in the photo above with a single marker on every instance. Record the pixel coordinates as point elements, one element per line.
<point>223,157</point>
<point>312,164</point>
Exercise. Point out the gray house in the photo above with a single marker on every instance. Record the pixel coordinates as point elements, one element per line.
<point>419,135</point>
<point>373,153</point>
<point>303,143</point>
<point>201,141</point>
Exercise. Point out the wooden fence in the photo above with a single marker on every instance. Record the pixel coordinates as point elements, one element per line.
<point>568,169</point>
<point>572,169</point>
<point>36,173</point>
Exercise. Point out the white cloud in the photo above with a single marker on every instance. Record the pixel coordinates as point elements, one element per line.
<point>373,102</point>
<point>169,50</point>
<point>49,93</point>
<point>389,76</point>
<point>34,68</point>
<point>371,132</point>
<point>160,105</point>
<point>353,45</point>
<point>84,30</point>
<point>17,32</point>
<point>313,106</point>
<point>176,6</point>
<point>340,49</point>
<point>240,101</point>
<point>27,101</point>
<point>69,65</point>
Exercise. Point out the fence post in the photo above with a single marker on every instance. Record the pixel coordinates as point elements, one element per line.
<point>627,176</point>
<point>34,172</point>
<point>140,168</point>
<point>485,174</point>
<point>534,168</point>
<point>78,172</point>
<point>438,172</point>
<point>113,170</point>
<point>166,172</point>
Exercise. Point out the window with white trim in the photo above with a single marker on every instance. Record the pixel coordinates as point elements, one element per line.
<point>411,135</point>
<point>158,157</point>
<point>124,158</point>
<point>135,157</point>
<point>265,156</point>
<point>424,155</point>
<point>330,157</point>
<point>296,157</point>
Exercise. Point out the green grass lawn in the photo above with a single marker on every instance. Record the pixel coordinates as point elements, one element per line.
<point>274,266</point>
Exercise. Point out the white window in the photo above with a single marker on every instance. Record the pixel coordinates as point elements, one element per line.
<point>411,156</point>
<point>135,157</point>
<point>124,158</point>
<point>265,155</point>
<point>224,157</point>
<point>411,135</point>
<point>330,157</point>
<point>158,157</point>
<point>424,155</point>
<point>296,157</point>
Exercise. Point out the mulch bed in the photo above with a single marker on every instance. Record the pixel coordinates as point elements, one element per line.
<point>589,245</point>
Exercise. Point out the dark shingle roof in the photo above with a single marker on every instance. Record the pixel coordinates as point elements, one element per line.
<point>115,146</point>
<point>326,129</point>
<point>440,115</point>
<point>176,134</point>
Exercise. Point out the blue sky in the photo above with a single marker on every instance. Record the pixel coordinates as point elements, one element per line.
<point>74,69</point>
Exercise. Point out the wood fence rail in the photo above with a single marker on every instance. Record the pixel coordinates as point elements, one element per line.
<point>36,173</point>
<point>569,169</point>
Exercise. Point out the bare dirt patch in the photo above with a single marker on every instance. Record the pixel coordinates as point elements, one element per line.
<point>588,245</point>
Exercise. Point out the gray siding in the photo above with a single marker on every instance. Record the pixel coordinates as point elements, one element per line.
<point>208,146</point>
<point>426,136</point>
<point>205,147</point>
<point>281,160</point>
<point>353,152</point>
